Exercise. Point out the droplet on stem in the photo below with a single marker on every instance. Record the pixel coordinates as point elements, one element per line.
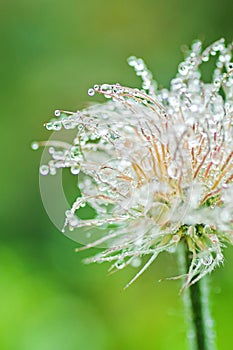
<point>91,92</point>
<point>35,146</point>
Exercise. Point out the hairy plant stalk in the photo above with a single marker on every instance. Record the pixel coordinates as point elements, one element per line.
<point>201,335</point>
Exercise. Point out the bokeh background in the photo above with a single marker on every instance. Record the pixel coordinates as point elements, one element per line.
<point>52,51</point>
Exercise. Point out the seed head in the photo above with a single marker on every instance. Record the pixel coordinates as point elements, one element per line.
<point>156,165</point>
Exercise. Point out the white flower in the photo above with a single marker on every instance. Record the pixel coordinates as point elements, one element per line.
<point>155,165</point>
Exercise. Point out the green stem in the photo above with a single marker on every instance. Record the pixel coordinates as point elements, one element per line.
<point>197,315</point>
<point>201,334</point>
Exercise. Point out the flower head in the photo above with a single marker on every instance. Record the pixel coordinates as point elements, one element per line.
<point>156,165</point>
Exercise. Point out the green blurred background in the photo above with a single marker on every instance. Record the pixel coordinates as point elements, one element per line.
<point>51,53</point>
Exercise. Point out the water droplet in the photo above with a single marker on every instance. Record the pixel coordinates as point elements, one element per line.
<point>205,57</point>
<point>217,82</point>
<point>175,238</point>
<point>68,124</point>
<point>57,125</point>
<point>176,83</point>
<point>207,260</point>
<point>139,66</point>
<point>103,132</point>
<point>35,146</point>
<point>196,46</point>
<point>52,170</point>
<point>136,262</point>
<point>213,52</point>
<point>80,127</point>
<point>171,249</point>
<point>75,170</point>
<point>120,264</point>
<point>91,92</point>
<point>59,164</point>
<point>194,108</point>
<point>59,155</point>
<point>96,87</point>
<point>73,221</point>
<point>173,170</point>
<point>49,126</point>
<point>106,89</point>
<point>230,66</point>
<point>44,170</point>
<point>68,214</point>
<point>220,256</point>
<point>163,113</point>
<point>132,60</point>
<point>183,69</point>
<point>207,229</point>
<point>57,113</point>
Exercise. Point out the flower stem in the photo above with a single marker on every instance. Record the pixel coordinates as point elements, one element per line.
<point>201,335</point>
<point>198,316</point>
